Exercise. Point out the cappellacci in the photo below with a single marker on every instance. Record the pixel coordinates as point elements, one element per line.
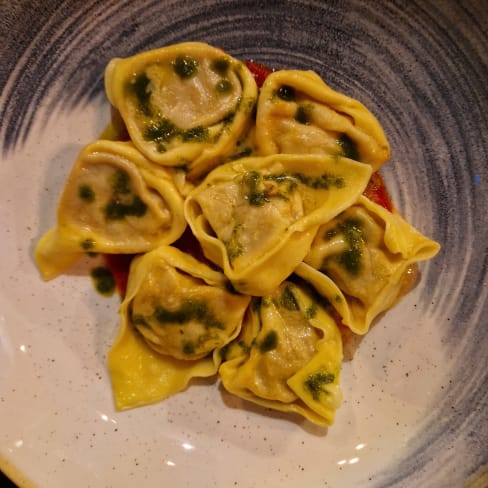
<point>254,244</point>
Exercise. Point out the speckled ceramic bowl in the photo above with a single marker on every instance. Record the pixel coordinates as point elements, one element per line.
<point>415,411</point>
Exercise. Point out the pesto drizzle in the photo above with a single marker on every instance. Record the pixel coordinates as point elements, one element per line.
<point>260,188</point>
<point>288,300</point>
<point>87,244</point>
<point>349,148</point>
<point>223,86</point>
<point>286,93</point>
<point>322,182</point>
<point>220,66</point>
<point>139,86</point>
<point>188,348</point>
<point>185,67</point>
<point>187,311</point>
<point>123,202</point>
<point>233,246</point>
<point>302,115</point>
<point>103,280</point>
<point>162,130</point>
<point>86,193</point>
<point>353,232</point>
<point>269,342</point>
<point>315,383</point>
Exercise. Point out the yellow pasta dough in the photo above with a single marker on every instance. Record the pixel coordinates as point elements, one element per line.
<point>359,259</point>
<point>281,242</point>
<point>184,105</point>
<point>178,313</point>
<point>299,113</point>
<point>114,201</point>
<point>257,217</point>
<point>288,356</point>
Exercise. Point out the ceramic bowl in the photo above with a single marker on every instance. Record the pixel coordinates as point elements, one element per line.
<point>415,409</point>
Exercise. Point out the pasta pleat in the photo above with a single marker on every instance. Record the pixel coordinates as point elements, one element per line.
<point>256,217</point>
<point>299,113</point>
<point>361,259</point>
<point>288,356</point>
<point>184,105</point>
<point>114,201</point>
<point>178,313</point>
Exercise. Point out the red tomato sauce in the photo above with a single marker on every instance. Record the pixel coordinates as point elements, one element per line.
<point>376,191</point>
<point>259,72</point>
<point>119,265</point>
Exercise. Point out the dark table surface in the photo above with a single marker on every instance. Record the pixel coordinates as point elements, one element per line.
<point>5,482</point>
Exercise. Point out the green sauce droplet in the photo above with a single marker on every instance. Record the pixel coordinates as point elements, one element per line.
<point>117,210</point>
<point>120,182</point>
<point>315,383</point>
<point>188,348</point>
<point>286,93</point>
<point>160,131</point>
<point>351,258</point>
<point>269,342</point>
<point>220,66</point>
<point>86,193</point>
<point>288,299</point>
<point>87,244</point>
<point>185,66</point>
<point>349,148</point>
<point>103,280</point>
<point>139,86</point>
<point>302,115</point>
<point>196,134</point>
<point>189,310</point>
<point>223,86</point>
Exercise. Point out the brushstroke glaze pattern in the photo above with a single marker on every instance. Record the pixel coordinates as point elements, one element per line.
<point>421,67</point>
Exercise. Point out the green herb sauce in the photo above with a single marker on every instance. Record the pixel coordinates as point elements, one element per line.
<point>103,280</point>
<point>160,131</point>
<point>322,182</point>
<point>188,348</point>
<point>302,115</point>
<point>139,86</point>
<point>315,383</point>
<point>311,311</point>
<point>288,300</point>
<point>220,66</point>
<point>254,195</point>
<point>198,133</point>
<point>259,191</point>
<point>228,118</point>
<point>86,193</point>
<point>233,245</point>
<point>351,258</point>
<point>349,148</point>
<point>117,210</point>
<point>190,310</point>
<point>223,86</point>
<point>185,66</point>
<point>120,182</point>
<point>138,320</point>
<point>286,93</point>
<point>87,244</point>
<point>269,342</point>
